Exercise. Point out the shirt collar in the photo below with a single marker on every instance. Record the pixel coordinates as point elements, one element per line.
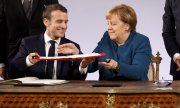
<point>47,38</point>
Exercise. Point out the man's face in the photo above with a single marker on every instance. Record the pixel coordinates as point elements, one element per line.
<point>57,25</point>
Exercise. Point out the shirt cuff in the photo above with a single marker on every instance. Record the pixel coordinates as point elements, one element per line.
<point>1,78</point>
<point>28,63</point>
<point>82,70</point>
<point>2,65</point>
<point>175,56</point>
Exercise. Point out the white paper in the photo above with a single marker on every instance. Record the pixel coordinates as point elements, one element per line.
<point>35,80</point>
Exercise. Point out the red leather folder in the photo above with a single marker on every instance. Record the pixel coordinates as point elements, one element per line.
<point>72,57</point>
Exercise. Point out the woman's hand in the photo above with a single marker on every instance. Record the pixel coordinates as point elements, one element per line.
<point>109,64</point>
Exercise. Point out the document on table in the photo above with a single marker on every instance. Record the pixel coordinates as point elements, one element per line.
<point>33,81</point>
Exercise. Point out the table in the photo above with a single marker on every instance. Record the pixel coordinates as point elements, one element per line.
<point>82,94</point>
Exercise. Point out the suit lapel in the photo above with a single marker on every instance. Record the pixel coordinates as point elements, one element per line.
<point>41,51</point>
<point>63,40</point>
<point>19,2</point>
<point>41,46</point>
<point>35,2</point>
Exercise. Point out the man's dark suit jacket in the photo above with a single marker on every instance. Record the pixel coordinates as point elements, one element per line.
<point>171,32</point>
<point>14,24</point>
<point>68,70</point>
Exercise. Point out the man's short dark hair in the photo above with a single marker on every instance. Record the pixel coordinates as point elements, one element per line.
<point>47,12</point>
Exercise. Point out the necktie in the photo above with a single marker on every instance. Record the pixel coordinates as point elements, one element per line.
<point>50,63</point>
<point>27,8</point>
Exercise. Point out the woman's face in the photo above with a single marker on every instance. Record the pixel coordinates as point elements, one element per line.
<point>116,28</point>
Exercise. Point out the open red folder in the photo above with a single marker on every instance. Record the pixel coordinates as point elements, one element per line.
<point>72,57</point>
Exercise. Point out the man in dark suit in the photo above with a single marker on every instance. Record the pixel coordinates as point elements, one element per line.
<point>14,25</point>
<point>171,35</point>
<point>24,64</point>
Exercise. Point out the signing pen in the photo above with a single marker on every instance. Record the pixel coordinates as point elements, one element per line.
<point>108,60</point>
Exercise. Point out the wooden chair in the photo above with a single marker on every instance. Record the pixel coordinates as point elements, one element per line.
<point>153,73</point>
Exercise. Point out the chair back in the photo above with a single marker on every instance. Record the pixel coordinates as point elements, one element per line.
<point>153,73</point>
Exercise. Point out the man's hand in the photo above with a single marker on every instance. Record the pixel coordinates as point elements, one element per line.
<point>68,48</point>
<point>3,73</point>
<point>32,59</point>
<point>177,61</point>
<point>86,62</point>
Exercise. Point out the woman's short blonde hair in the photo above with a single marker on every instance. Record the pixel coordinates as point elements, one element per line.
<point>126,14</point>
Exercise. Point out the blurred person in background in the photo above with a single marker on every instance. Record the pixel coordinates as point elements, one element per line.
<point>171,35</point>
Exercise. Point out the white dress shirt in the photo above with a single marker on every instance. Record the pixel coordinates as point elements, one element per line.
<point>47,46</point>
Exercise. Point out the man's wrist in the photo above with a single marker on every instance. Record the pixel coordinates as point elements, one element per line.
<point>175,56</point>
<point>28,62</point>
<point>82,70</point>
<point>83,65</point>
